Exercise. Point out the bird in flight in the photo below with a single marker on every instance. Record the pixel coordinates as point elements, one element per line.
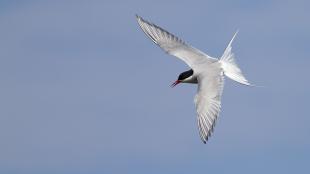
<point>206,71</point>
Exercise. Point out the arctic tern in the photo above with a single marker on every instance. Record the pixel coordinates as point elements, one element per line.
<point>206,71</point>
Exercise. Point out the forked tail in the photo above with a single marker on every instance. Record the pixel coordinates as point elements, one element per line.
<point>230,67</point>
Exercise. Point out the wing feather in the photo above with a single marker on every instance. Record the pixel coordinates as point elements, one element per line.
<point>208,102</point>
<point>174,45</point>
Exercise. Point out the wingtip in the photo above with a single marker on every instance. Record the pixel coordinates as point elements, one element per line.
<point>138,17</point>
<point>205,139</point>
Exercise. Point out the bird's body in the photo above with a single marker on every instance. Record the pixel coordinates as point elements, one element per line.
<point>206,71</point>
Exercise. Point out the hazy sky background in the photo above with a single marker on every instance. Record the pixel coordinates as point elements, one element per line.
<point>83,90</point>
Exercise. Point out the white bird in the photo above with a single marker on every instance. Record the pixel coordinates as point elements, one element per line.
<point>206,71</point>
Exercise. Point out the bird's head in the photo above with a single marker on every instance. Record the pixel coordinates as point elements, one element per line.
<point>184,77</point>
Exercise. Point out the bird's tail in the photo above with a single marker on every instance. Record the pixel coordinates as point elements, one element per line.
<point>230,67</point>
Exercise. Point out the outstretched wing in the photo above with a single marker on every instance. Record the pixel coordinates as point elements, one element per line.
<point>208,101</point>
<point>173,45</point>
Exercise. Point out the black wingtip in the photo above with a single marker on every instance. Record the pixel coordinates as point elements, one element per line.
<point>137,16</point>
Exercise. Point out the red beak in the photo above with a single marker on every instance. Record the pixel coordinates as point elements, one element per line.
<point>175,83</point>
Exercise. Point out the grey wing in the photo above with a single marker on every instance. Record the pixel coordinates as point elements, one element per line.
<point>208,102</point>
<point>173,45</point>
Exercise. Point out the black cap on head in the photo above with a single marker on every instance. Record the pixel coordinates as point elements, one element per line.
<point>185,74</point>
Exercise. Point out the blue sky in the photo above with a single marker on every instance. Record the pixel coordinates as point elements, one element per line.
<point>84,91</point>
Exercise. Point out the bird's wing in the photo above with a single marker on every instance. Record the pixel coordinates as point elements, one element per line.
<point>208,101</point>
<point>173,45</point>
